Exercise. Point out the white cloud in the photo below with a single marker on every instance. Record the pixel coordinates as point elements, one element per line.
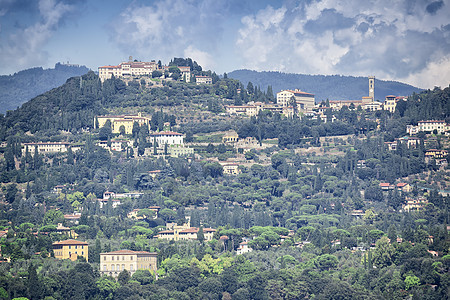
<point>25,44</point>
<point>167,29</point>
<point>392,39</point>
<point>203,58</point>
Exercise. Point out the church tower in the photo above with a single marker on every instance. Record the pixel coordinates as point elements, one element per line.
<point>372,87</point>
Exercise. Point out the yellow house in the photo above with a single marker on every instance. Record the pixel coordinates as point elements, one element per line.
<point>112,263</point>
<point>70,249</point>
<point>126,121</point>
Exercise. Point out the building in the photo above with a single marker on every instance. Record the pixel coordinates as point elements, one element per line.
<point>248,110</point>
<point>435,154</point>
<point>230,169</point>
<point>70,249</point>
<point>177,232</point>
<point>203,80</point>
<point>243,248</point>
<point>404,187</point>
<point>390,103</point>
<point>179,150</point>
<point>167,137</point>
<point>45,147</point>
<point>116,144</point>
<point>185,73</point>
<point>127,121</point>
<point>373,106</point>
<point>127,69</point>
<point>112,263</point>
<point>440,126</point>
<point>431,125</point>
<point>230,138</point>
<point>134,213</point>
<point>372,87</point>
<point>415,204</point>
<point>386,186</point>
<point>304,101</point>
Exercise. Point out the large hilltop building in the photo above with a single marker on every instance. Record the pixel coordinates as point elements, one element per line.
<point>304,101</point>
<point>127,69</point>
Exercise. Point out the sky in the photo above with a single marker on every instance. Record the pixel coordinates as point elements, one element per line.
<point>401,40</point>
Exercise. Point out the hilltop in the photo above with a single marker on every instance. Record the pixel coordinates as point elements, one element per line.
<point>332,87</point>
<point>22,86</point>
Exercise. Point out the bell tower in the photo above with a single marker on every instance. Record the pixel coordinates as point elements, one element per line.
<point>372,87</point>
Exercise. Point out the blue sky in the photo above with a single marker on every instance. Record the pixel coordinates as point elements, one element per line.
<point>404,40</point>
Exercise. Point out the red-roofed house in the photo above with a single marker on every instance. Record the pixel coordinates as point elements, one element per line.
<point>385,186</point>
<point>404,187</point>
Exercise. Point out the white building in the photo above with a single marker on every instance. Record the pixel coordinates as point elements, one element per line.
<point>243,248</point>
<point>429,126</point>
<point>167,137</point>
<point>203,79</point>
<point>127,69</point>
<point>46,147</point>
<point>304,101</point>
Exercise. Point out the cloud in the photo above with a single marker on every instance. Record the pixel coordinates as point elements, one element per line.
<point>166,29</point>
<point>392,39</point>
<point>25,42</point>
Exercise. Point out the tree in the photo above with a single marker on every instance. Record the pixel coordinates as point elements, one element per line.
<point>200,235</point>
<point>124,277</point>
<point>107,287</point>
<point>384,252</point>
<point>106,131</point>
<point>156,74</point>
<point>411,281</point>
<point>122,130</point>
<point>35,288</point>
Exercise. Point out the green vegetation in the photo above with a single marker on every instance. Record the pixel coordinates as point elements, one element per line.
<point>307,198</point>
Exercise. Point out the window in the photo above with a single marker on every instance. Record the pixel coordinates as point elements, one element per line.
<point>105,268</point>
<point>112,267</point>
<point>123,267</point>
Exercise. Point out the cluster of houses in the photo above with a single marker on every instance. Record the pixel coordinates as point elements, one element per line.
<point>136,69</point>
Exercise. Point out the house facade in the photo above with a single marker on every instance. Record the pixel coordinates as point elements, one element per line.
<point>70,249</point>
<point>45,147</point>
<point>112,263</point>
<point>126,121</point>
<point>127,69</point>
<point>304,101</point>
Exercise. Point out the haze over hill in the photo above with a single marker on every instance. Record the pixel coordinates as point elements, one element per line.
<point>332,87</point>
<point>22,86</point>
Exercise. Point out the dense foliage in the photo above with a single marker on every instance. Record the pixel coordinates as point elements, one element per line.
<point>309,203</point>
<point>22,86</point>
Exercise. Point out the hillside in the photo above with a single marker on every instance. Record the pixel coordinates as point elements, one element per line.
<point>332,87</point>
<point>22,86</point>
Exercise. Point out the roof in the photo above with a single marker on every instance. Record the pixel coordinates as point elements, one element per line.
<point>385,184</point>
<point>127,252</point>
<point>166,133</point>
<point>70,242</point>
<point>432,121</point>
<point>48,143</point>
<point>401,184</point>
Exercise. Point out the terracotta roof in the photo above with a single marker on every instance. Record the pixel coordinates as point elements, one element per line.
<point>401,184</point>
<point>166,231</point>
<point>125,251</point>
<point>385,184</point>
<point>70,242</point>
<point>166,133</point>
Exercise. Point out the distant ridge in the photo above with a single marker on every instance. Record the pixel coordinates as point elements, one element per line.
<point>22,86</point>
<point>332,87</point>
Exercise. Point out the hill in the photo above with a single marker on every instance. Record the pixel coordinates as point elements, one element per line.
<point>332,87</point>
<point>22,86</point>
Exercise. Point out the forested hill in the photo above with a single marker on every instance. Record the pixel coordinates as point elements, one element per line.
<point>22,86</point>
<point>334,87</point>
